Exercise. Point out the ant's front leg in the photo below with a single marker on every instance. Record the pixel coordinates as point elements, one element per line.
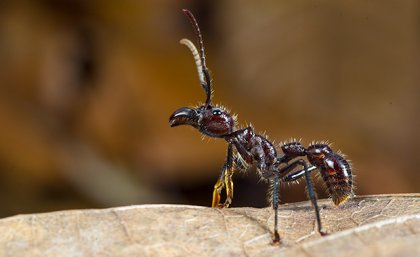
<point>225,180</point>
<point>218,187</point>
<point>229,187</point>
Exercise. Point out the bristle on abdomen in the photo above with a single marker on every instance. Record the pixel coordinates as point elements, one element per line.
<point>337,175</point>
<point>335,171</point>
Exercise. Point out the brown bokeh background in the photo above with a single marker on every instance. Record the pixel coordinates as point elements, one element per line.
<point>87,88</point>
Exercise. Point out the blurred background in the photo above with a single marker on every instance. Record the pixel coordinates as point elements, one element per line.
<point>87,87</point>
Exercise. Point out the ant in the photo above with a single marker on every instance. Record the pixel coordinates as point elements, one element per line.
<point>246,148</point>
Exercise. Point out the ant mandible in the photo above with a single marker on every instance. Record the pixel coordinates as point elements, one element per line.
<point>245,148</point>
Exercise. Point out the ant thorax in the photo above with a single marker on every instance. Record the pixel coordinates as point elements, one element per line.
<point>254,149</point>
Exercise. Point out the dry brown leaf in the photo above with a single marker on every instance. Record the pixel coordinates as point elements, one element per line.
<point>383,225</point>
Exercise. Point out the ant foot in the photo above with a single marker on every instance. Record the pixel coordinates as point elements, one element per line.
<point>323,233</point>
<point>226,204</point>
<point>276,239</point>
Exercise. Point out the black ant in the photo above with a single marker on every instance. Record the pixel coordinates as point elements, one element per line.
<point>245,148</point>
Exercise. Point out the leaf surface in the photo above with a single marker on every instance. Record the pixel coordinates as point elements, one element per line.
<point>382,225</point>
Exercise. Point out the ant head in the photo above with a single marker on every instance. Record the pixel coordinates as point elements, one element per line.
<point>209,120</point>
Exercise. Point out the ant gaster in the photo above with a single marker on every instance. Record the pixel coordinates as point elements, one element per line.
<point>245,148</point>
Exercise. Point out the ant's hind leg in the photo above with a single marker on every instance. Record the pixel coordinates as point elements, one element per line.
<point>297,175</point>
<point>311,192</point>
<point>312,196</point>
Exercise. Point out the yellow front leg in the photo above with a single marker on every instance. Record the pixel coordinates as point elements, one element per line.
<point>229,187</point>
<point>218,187</point>
<point>225,179</point>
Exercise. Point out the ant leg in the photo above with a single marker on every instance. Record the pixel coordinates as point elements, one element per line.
<point>218,187</point>
<point>297,175</point>
<point>310,187</point>
<point>276,239</point>
<point>229,187</point>
<point>228,177</point>
<point>221,181</point>
<point>312,196</point>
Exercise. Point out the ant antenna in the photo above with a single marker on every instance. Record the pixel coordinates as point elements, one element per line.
<point>200,59</point>
<point>197,59</point>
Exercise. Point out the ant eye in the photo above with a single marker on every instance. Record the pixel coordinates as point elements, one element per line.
<point>217,112</point>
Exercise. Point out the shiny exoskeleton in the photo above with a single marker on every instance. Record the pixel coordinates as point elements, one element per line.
<point>245,148</point>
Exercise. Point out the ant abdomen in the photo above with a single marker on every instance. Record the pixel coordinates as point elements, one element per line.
<point>334,168</point>
<point>335,171</point>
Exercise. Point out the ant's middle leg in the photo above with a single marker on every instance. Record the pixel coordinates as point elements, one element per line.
<point>306,171</point>
<point>276,239</point>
